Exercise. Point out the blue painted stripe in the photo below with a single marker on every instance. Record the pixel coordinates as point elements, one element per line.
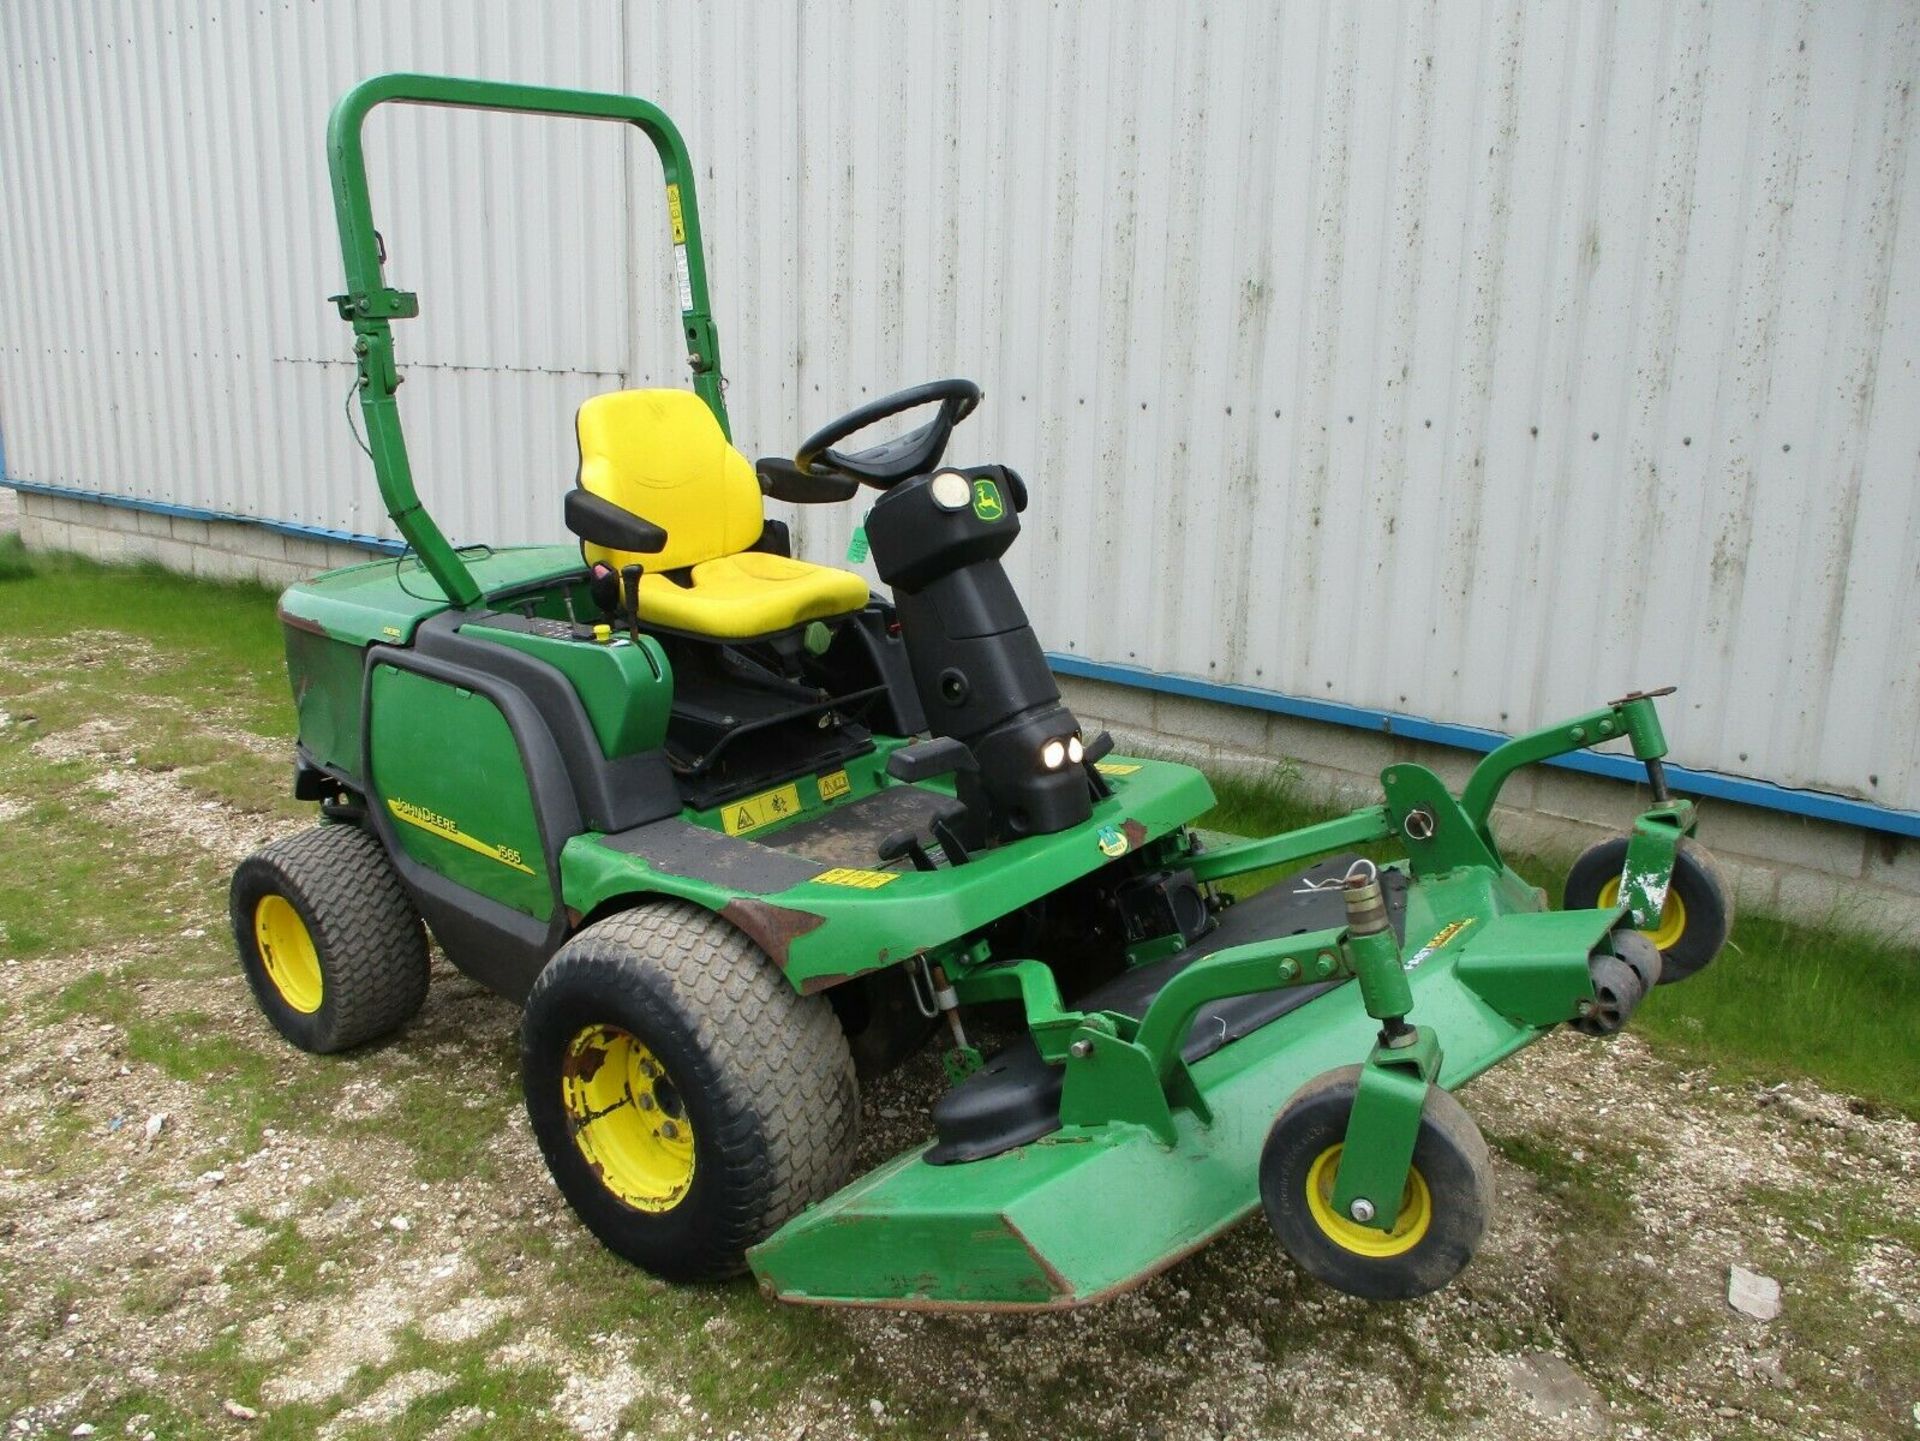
<point>1819,805</point>
<point>194,512</point>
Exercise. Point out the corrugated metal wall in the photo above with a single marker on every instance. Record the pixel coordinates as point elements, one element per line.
<point>1474,361</point>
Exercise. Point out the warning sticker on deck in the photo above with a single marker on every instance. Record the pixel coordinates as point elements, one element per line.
<point>1436,943</point>
<point>761,810</point>
<point>859,880</point>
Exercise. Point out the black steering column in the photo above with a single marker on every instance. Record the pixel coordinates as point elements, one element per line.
<point>937,537</point>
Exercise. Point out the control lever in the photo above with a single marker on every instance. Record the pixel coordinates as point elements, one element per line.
<point>630,589</point>
<point>906,843</point>
<point>951,846</point>
<point>1096,750</point>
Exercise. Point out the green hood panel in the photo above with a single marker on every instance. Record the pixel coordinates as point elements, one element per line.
<point>385,600</point>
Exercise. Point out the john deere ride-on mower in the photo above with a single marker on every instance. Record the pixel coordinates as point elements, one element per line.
<point>740,833</point>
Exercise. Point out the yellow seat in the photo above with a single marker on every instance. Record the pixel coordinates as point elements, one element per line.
<point>660,454</point>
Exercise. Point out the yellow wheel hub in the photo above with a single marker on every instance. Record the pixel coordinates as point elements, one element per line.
<point>627,1118</point>
<point>286,950</point>
<point>1409,1226</point>
<point>1673,915</point>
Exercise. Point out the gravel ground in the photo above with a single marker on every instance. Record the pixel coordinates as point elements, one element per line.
<point>347,1267</point>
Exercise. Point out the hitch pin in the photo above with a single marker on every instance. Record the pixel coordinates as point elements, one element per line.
<point>1363,869</point>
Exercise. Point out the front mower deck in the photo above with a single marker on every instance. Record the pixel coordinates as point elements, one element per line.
<point>1081,1212</point>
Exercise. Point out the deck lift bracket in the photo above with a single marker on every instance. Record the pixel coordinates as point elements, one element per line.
<point>370,305</point>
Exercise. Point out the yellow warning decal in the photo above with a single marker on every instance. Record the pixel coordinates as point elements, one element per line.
<point>859,880</point>
<point>834,785</point>
<point>1437,942</point>
<point>762,810</point>
<point>1114,768</point>
<point>436,824</point>
<point>675,217</point>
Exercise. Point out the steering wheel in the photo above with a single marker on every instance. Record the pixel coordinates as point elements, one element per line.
<point>885,465</point>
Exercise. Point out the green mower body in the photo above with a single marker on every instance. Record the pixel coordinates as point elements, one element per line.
<point>772,858</point>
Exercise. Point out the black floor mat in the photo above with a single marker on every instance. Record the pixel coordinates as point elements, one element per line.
<point>850,835</point>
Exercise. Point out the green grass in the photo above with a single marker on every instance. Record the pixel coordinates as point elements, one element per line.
<point>1789,999</point>
<point>15,562</point>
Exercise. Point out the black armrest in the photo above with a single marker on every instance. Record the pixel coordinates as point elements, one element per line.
<point>781,479</point>
<point>601,522</point>
<point>922,761</point>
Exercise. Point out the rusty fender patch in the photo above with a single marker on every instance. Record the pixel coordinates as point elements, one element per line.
<point>773,928</point>
<point>300,622</point>
<point>1135,833</point>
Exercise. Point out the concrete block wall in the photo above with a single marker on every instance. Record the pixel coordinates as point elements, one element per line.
<point>216,549</point>
<point>1779,864</point>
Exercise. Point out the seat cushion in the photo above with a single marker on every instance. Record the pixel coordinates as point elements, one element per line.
<point>750,594</point>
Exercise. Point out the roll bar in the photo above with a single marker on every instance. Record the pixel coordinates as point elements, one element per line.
<point>370,306</point>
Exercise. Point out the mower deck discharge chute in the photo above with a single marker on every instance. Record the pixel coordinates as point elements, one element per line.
<point>741,833</point>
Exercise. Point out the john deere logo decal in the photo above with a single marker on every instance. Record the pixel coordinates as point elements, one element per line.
<point>1112,842</point>
<point>987,503</point>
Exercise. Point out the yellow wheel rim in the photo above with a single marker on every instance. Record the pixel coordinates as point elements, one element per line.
<point>1409,1226</point>
<point>627,1118</point>
<point>1673,915</point>
<point>286,950</point>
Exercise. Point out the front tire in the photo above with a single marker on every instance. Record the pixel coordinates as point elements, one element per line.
<point>328,938</point>
<point>686,1100</point>
<point>1444,1210</point>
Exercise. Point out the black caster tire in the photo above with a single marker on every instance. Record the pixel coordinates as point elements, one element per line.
<point>1641,955</point>
<point>686,1099</point>
<point>328,938</point>
<point>1696,920</point>
<point>1617,993</point>
<point>1444,1212</point>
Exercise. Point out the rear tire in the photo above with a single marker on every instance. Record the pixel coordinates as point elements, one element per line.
<point>686,1099</point>
<point>328,938</point>
<point>1696,920</point>
<point>1444,1211</point>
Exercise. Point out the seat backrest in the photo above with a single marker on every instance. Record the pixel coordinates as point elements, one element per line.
<point>661,455</point>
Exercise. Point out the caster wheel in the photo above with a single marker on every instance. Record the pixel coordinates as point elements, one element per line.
<point>1694,923</point>
<point>1641,955</point>
<point>1617,993</point>
<point>1444,1210</point>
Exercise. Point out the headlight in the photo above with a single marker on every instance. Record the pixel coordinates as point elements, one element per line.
<point>952,490</point>
<point>1053,755</point>
<point>1075,751</point>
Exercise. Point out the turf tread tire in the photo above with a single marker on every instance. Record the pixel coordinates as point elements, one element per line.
<point>372,949</point>
<point>777,1103</point>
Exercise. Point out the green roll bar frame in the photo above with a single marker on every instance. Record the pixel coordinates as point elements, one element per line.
<point>371,306</point>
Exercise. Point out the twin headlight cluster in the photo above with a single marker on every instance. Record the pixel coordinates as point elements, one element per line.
<point>1056,753</point>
